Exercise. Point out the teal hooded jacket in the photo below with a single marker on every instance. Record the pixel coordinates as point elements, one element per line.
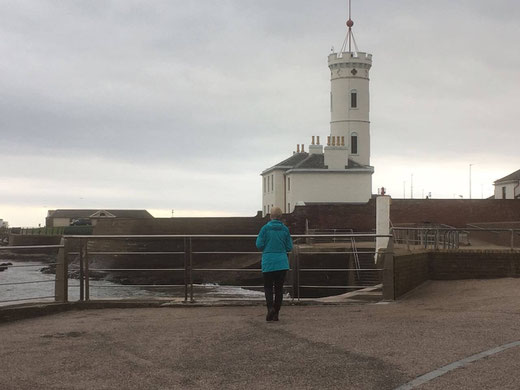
<point>274,240</point>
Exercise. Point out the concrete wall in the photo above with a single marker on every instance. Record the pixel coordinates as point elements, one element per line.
<point>410,271</point>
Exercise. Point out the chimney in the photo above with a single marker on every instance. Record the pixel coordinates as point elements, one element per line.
<point>313,140</point>
<point>297,148</point>
<point>303,149</point>
<point>328,140</point>
<point>333,141</point>
<point>318,139</point>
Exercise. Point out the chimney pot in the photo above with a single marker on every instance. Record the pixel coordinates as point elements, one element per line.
<point>318,139</point>
<point>298,148</point>
<point>313,140</point>
<point>303,148</point>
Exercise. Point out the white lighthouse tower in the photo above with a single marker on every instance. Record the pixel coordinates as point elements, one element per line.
<point>340,172</point>
<point>349,97</point>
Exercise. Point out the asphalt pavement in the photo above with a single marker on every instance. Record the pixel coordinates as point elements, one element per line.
<point>362,346</point>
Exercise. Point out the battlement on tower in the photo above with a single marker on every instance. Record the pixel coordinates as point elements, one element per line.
<point>350,57</point>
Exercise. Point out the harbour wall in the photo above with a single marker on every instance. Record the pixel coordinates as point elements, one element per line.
<point>412,270</point>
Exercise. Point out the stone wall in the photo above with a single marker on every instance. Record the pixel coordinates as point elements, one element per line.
<point>474,265</point>
<point>357,216</point>
<point>454,212</point>
<point>411,270</point>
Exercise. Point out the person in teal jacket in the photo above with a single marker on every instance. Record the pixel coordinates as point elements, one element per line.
<point>274,240</point>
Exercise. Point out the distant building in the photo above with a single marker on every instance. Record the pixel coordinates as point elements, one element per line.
<point>508,187</point>
<point>340,171</point>
<point>68,217</point>
<point>3,224</point>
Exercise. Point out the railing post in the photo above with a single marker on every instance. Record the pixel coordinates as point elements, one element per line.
<point>186,259</point>
<point>407,239</point>
<point>61,287</point>
<point>388,271</point>
<point>87,272</point>
<point>81,271</point>
<point>297,255</point>
<point>191,270</point>
<point>512,240</point>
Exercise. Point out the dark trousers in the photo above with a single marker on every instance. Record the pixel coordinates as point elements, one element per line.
<point>274,281</point>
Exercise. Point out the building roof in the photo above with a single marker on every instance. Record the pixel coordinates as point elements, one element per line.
<point>88,213</point>
<point>295,159</point>
<point>515,176</point>
<point>304,160</point>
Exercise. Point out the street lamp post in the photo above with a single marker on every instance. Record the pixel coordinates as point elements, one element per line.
<point>470,165</point>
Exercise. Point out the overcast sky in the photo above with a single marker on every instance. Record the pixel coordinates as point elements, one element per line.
<point>181,104</point>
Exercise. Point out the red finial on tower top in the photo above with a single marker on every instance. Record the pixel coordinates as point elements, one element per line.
<point>350,23</point>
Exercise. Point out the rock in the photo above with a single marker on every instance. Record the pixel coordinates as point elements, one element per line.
<point>4,266</point>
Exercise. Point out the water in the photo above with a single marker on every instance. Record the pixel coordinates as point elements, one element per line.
<point>24,271</point>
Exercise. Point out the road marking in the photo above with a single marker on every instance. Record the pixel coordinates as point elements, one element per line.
<point>458,364</point>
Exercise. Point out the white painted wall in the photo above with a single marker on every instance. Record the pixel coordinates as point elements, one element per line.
<point>344,119</point>
<point>274,194</point>
<point>329,186</point>
<point>336,157</point>
<point>510,190</point>
<point>57,222</point>
<point>382,222</point>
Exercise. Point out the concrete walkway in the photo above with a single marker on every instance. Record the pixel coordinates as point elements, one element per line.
<point>370,346</point>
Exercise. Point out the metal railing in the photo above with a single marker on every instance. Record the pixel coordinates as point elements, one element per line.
<point>26,282</point>
<point>185,258</point>
<point>451,238</point>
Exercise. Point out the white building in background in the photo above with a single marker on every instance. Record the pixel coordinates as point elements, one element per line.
<point>508,187</point>
<point>340,171</point>
<point>3,224</point>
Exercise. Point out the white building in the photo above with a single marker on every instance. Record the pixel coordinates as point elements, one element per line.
<point>508,187</point>
<point>340,171</point>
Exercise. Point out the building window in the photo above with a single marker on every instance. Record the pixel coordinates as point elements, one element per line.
<point>267,209</point>
<point>288,207</point>
<point>268,183</point>
<point>353,144</point>
<point>288,184</point>
<point>263,186</point>
<point>264,210</point>
<point>353,99</point>
<point>331,102</point>
<point>272,182</point>
<point>503,192</point>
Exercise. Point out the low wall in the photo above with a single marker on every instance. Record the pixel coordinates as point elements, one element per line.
<point>411,270</point>
<point>474,265</point>
<point>20,240</point>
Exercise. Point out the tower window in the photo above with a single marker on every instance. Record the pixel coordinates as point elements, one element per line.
<point>288,184</point>
<point>353,144</point>
<point>264,186</point>
<point>353,99</point>
<point>272,182</point>
<point>331,102</point>
<point>503,192</point>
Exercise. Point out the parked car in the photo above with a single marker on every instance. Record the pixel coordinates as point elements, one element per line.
<point>81,222</point>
